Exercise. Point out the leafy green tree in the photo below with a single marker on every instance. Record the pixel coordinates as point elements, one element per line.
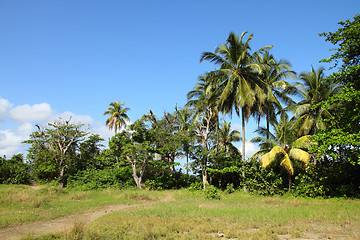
<point>138,149</point>
<point>185,131</point>
<point>60,139</point>
<point>340,141</point>
<point>203,99</point>
<point>283,147</point>
<point>90,149</point>
<point>166,139</point>
<point>118,116</point>
<point>237,77</point>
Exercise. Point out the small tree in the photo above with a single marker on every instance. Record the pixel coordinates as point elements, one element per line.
<point>59,139</point>
<point>282,147</point>
<point>135,148</point>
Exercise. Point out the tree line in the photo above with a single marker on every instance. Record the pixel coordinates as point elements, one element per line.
<point>309,144</point>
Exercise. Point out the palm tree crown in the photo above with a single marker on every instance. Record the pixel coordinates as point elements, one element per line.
<point>118,116</point>
<point>237,79</point>
<point>308,112</point>
<point>273,75</point>
<point>227,137</point>
<point>283,146</point>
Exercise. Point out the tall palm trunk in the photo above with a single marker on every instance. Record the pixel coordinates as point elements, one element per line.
<point>243,134</point>
<point>267,125</point>
<point>243,142</point>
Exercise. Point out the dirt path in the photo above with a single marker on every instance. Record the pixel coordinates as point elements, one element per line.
<point>65,223</point>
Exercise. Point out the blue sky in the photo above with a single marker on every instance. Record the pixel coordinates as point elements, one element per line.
<point>62,58</point>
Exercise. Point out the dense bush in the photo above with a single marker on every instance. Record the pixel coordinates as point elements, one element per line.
<point>102,178</point>
<point>14,171</point>
<point>262,181</point>
<point>211,192</point>
<point>167,180</point>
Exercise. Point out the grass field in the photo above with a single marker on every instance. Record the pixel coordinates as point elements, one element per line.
<point>182,214</point>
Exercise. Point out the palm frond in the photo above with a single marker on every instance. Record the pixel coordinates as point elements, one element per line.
<point>258,154</point>
<point>287,164</point>
<point>275,153</point>
<point>299,155</point>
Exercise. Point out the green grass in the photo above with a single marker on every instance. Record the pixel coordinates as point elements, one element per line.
<point>187,215</point>
<point>21,204</point>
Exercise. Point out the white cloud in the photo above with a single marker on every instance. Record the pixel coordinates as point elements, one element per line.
<point>250,149</point>
<point>24,117</point>
<point>11,139</point>
<point>27,113</point>
<point>5,105</point>
<point>104,131</point>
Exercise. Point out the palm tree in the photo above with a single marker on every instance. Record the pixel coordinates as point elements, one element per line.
<point>309,114</point>
<point>273,75</point>
<point>227,137</point>
<point>238,77</point>
<point>118,116</point>
<point>283,147</point>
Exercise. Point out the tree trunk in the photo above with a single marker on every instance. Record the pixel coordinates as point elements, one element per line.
<point>290,182</point>
<point>61,179</point>
<point>243,142</point>
<point>204,177</point>
<point>171,162</point>
<point>267,125</point>
<point>243,134</point>
<point>135,176</point>
<point>187,163</point>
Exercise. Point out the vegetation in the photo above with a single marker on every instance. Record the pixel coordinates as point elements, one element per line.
<point>310,144</point>
<point>180,214</point>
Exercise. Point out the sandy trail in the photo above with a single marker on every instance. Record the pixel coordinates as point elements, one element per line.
<point>65,223</point>
<point>59,225</point>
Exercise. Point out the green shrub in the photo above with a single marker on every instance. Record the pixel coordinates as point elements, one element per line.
<point>196,186</point>
<point>262,181</point>
<point>308,183</point>
<point>229,188</point>
<point>157,179</point>
<point>14,171</point>
<point>211,192</point>
<point>101,178</point>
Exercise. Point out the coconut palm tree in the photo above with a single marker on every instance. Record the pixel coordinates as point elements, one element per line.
<point>278,90</point>
<point>283,147</point>
<point>227,137</point>
<point>237,79</point>
<point>118,116</point>
<point>309,114</point>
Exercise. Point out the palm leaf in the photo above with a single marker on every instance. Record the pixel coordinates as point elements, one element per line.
<point>299,155</point>
<point>286,163</point>
<point>259,153</point>
<point>271,156</point>
<point>302,142</point>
